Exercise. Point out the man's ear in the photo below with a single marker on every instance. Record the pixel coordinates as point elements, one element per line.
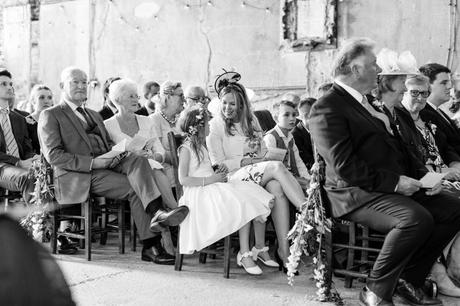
<point>61,85</point>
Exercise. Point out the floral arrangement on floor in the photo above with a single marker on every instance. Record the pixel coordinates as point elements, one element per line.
<point>308,235</point>
<point>38,222</point>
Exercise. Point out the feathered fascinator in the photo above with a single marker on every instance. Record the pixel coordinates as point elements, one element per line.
<point>392,64</point>
<point>225,79</point>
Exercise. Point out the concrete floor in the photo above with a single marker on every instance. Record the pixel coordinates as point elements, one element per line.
<point>114,279</point>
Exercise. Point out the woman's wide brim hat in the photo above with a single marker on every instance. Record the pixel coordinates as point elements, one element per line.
<point>226,78</point>
<point>392,64</point>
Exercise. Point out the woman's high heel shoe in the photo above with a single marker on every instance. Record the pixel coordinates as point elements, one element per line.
<point>269,262</point>
<point>281,264</point>
<point>251,270</point>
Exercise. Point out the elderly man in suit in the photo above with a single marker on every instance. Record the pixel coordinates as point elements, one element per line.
<point>16,152</point>
<point>370,179</point>
<point>73,138</point>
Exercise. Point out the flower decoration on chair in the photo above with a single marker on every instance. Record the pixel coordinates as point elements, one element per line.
<point>309,234</point>
<point>37,222</point>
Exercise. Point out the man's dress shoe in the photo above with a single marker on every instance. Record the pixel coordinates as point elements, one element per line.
<point>162,218</point>
<point>162,257</point>
<point>415,296</point>
<point>66,247</point>
<point>369,298</point>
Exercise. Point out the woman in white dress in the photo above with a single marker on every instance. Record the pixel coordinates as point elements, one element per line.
<point>169,102</point>
<point>125,124</point>
<point>217,208</point>
<point>235,139</point>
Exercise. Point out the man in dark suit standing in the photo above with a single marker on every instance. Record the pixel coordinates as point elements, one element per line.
<point>440,86</point>
<point>73,138</point>
<point>370,180</point>
<point>16,152</point>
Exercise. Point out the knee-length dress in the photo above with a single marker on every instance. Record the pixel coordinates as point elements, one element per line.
<point>218,209</point>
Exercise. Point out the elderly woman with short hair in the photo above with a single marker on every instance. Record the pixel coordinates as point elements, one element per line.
<point>169,102</point>
<point>125,124</point>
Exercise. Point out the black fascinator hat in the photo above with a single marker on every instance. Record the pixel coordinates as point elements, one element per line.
<point>225,79</point>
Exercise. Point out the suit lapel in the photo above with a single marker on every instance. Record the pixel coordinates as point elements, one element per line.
<point>359,108</point>
<point>75,121</point>
<point>100,125</point>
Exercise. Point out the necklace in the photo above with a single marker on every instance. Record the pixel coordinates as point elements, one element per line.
<point>171,122</point>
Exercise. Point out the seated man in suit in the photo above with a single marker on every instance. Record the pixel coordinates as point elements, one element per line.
<point>440,86</point>
<point>150,89</point>
<point>16,152</point>
<point>108,109</point>
<point>73,138</point>
<point>301,134</point>
<point>371,180</point>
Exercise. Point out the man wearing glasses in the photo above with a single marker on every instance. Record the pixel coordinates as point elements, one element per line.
<point>151,89</point>
<point>441,84</point>
<point>194,95</point>
<point>16,152</point>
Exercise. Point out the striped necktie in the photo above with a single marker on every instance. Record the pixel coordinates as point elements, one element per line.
<point>11,145</point>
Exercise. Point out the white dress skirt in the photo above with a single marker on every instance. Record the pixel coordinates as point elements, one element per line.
<point>218,209</point>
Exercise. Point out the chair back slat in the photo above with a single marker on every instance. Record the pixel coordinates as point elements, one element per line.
<point>175,141</point>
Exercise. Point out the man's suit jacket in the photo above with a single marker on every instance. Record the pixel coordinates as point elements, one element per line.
<point>106,112</point>
<point>363,161</point>
<point>302,140</point>
<point>451,132</point>
<point>21,135</point>
<point>67,148</point>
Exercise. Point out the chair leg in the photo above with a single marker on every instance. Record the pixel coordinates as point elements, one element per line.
<point>54,231</point>
<point>365,243</point>
<point>179,257</point>
<point>227,248</point>
<point>329,253</point>
<point>82,224</point>
<point>351,253</point>
<point>88,216</point>
<point>133,233</point>
<point>121,228</point>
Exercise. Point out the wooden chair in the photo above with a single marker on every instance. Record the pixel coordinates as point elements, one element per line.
<point>213,250</point>
<point>362,246</point>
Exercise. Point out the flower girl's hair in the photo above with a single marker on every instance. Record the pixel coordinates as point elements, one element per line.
<point>192,121</point>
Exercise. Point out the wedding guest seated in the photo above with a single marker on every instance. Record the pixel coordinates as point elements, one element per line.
<point>217,207</point>
<point>280,137</point>
<point>74,140</point>
<point>168,104</point>
<point>235,139</point>
<point>194,95</point>
<point>16,152</point>
<point>440,86</point>
<point>452,108</point>
<point>371,180</point>
<point>108,109</point>
<point>40,98</point>
<point>150,90</point>
<point>301,133</point>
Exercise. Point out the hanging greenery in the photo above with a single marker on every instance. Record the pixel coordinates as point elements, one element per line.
<point>308,236</point>
<point>38,222</point>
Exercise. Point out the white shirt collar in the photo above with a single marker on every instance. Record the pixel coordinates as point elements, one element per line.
<point>73,106</point>
<point>353,92</point>
<point>281,134</point>
<point>432,105</point>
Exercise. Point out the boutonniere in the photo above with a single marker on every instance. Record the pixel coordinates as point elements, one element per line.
<point>432,127</point>
<point>379,105</point>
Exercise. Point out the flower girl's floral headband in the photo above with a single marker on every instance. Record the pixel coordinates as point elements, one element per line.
<point>198,122</point>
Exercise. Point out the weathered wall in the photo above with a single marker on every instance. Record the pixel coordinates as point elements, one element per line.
<point>192,45</point>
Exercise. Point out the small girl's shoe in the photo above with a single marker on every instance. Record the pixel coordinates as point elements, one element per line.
<point>251,270</point>
<point>268,262</point>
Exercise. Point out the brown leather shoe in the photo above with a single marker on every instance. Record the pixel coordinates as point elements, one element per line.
<point>369,298</point>
<point>415,296</point>
<point>161,258</point>
<point>173,217</point>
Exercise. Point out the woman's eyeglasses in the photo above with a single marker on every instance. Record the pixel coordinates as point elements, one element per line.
<point>416,93</point>
<point>6,84</point>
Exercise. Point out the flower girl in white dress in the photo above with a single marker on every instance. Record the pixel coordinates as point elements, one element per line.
<point>217,207</point>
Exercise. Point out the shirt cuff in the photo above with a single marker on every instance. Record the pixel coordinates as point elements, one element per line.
<point>91,165</point>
